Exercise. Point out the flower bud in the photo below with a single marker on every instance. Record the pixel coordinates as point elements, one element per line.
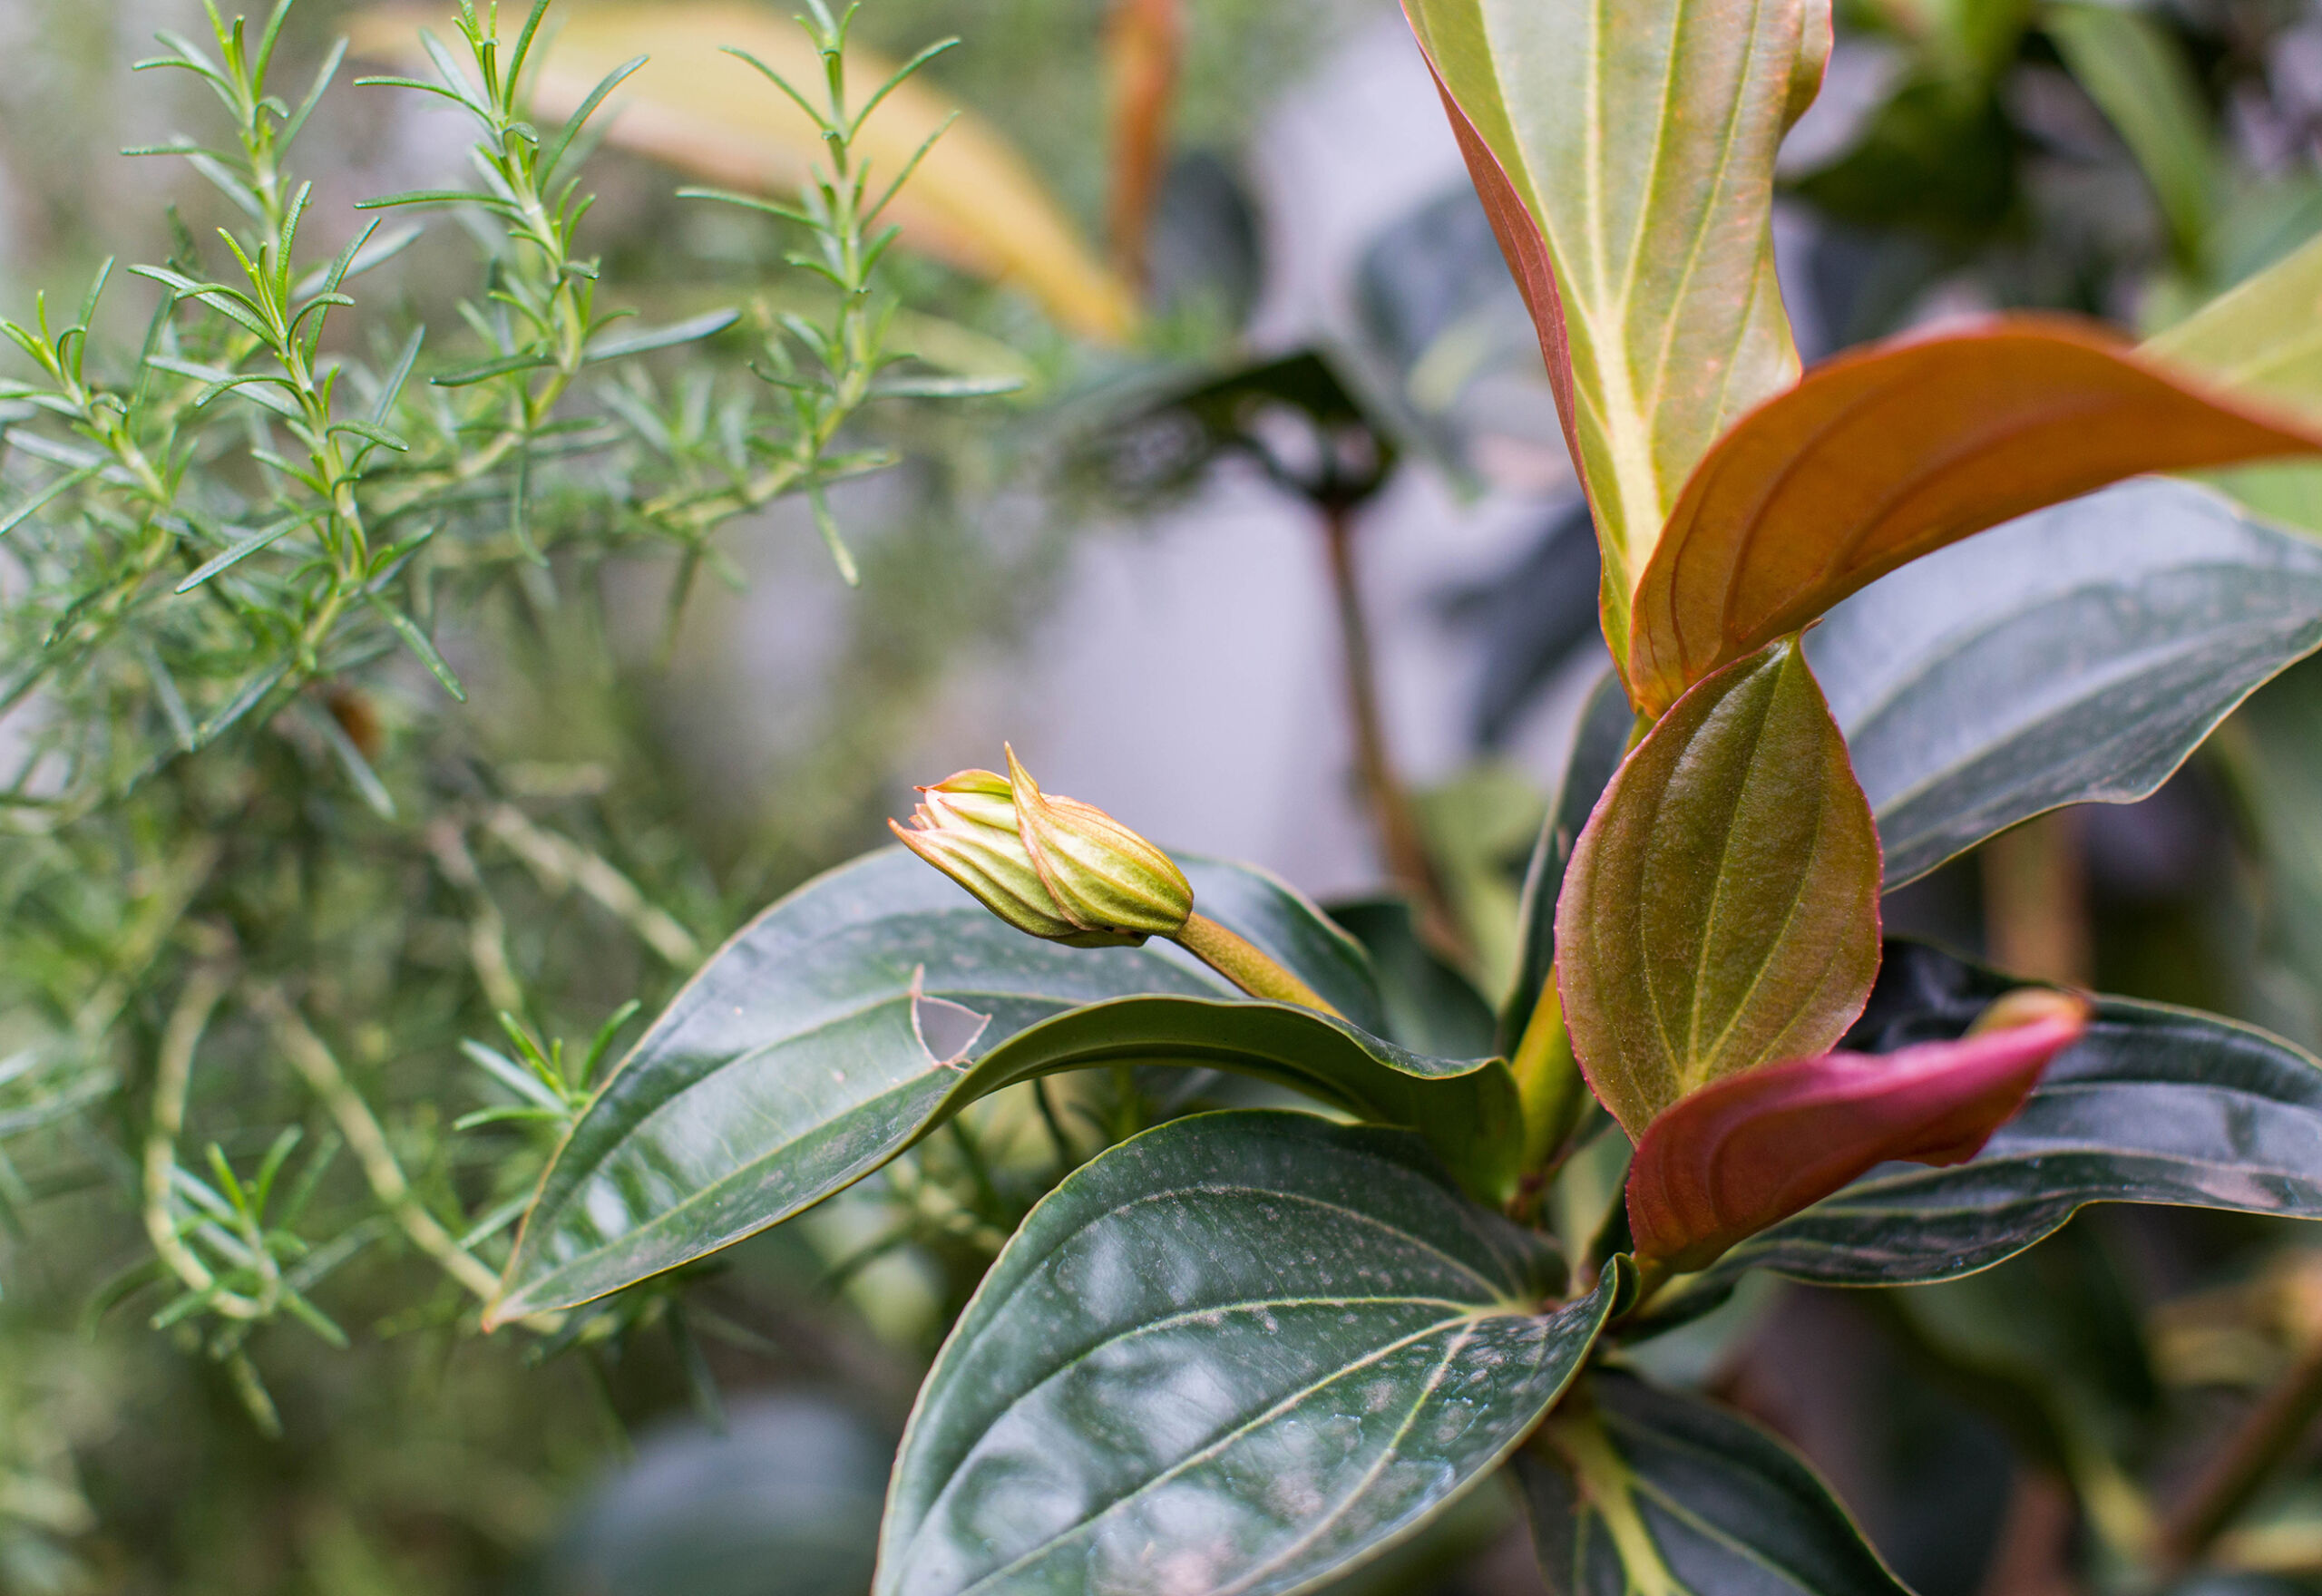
<point>1101,875</point>
<point>1053,868</point>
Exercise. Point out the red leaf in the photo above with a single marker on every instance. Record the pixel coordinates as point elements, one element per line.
<point>1726,1162</point>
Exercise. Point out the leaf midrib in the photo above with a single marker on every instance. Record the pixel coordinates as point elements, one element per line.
<point>1217,1446</point>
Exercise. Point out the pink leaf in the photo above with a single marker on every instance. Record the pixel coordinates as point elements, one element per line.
<point>1725,1161</point>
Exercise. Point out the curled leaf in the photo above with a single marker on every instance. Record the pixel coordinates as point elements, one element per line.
<point>1878,457</point>
<point>1750,1150</point>
<point>1625,155</point>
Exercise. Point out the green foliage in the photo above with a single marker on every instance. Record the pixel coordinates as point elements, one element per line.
<point>1632,1488</point>
<point>2155,1104</point>
<point>903,1001</point>
<point>1720,910</point>
<point>2146,613</point>
<point>331,756</point>
<point>1350,1346</point>
<point>245,822</point>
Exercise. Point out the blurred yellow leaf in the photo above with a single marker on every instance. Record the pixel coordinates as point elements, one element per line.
<point>974,203</point>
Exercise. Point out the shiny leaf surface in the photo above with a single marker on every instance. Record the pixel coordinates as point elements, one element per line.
<point>1879,457</point>
<point>2152,1104</point>
<point>1625,154</point>
<point>852,1017</point>
<point>1635,1489</point>
<point>974,202</point>
<point>1466,1109</point>
<point>1430,1007</point>
<point>2078,655</point>
<point>1721,908</point>
<point>1239,1352</point>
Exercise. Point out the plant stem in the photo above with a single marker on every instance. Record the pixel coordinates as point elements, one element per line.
<point>1399,838</point>
<point>2035,901</point>
<point>2264,1442</point>
<point>1241,963</point>
<point>174,1076</point>
<point>314,1063</point>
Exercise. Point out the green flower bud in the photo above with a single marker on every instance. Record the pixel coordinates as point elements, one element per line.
<point>1053,868</point>
<point>1100,875</point>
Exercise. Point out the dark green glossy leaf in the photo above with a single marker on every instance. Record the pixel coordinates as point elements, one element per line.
<point>1634,1489</point>
<point>1240,1352</point>
<point>1721,911</point>
<point>2078,655</point>
<point>2153,1105</point>
<point>851,1019</point>
<point>1599,741</point>
<point>1465,1108</point>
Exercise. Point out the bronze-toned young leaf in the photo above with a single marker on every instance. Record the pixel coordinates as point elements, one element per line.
<point>1744,1154</point>
<point>1625,154</point>
<point>876,1001</point>
<point>1876,458</point>
<point>1721,911</point>
<point>2152,1104</point>
<point>1633,1489</point>
<point>1241,1352</point>
<point>974,202</point>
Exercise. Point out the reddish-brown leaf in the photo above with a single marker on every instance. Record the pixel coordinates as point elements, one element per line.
<point>1721,911</point>
<point>1878,457</point>
<point>1725,1161</point>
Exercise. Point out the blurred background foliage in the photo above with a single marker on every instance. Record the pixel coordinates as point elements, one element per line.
<point>630,779</point>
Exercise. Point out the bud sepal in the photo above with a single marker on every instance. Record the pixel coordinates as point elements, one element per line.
<point>1100,876</point>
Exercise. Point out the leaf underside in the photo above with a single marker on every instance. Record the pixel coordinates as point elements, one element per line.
<point>1721,911</point>
<point>1625,154</point>
<point>1881,456</point>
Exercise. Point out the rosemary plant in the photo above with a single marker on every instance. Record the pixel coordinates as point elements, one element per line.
<point>255,855</point>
